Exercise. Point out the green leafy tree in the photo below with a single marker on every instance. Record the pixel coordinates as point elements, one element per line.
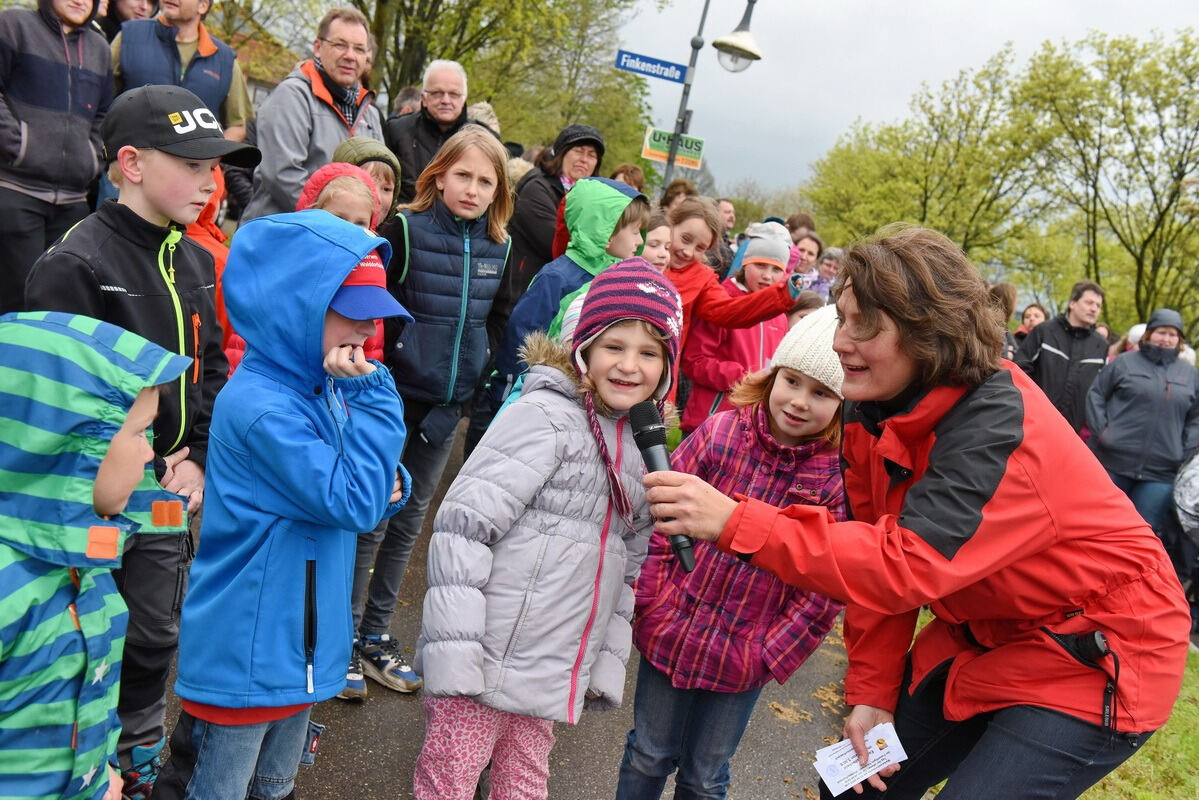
<point>1121,149</point>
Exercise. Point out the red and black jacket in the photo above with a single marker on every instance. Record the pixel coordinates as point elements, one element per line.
<point>984,505</point>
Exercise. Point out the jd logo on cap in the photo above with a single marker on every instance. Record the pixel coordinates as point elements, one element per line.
<point>188,121</point>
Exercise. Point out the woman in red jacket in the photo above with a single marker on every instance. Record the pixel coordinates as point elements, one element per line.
<point>1060,632</point>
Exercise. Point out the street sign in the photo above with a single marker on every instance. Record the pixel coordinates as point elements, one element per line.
<point>656,147</point>
<point>653,67</point>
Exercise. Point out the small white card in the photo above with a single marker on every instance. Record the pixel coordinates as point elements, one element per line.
<point>838,763</point>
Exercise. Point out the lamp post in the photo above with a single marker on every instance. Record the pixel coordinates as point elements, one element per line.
<point>737,50</point>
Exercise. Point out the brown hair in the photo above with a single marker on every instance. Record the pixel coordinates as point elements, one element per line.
<point>350,16</point>
<point>1003,295</point>
<point>636,178</point>
<point>800,219</point>
<point>675,188</point>
<point>698,208</point>
<point>1080,288</point>
<point>807,300</point>
<point>925,284</point>
<point>754,390</point>
<point>657,219</point>
<point>500,210</point>
<point>635,213</point>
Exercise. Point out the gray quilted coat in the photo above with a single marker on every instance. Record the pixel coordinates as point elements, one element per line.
<point>530,568</point>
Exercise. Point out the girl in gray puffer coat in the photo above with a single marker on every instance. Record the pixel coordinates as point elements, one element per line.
<point>536,546</point>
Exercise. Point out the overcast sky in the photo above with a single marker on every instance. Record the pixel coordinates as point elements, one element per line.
<point>825,64</point>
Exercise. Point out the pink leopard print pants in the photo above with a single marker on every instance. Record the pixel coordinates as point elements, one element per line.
<point>461,735</point>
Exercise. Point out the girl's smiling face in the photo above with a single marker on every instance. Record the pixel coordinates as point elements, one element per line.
<point>689,240</point>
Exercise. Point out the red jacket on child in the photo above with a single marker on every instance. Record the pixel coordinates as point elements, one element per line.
<point>716,358</point>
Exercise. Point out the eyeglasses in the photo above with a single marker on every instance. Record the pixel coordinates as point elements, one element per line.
<point>437,95</point>
<point>340,47</point>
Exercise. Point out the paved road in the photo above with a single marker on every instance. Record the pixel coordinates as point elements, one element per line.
<point>368,750</point>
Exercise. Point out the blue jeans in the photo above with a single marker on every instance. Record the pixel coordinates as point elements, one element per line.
<point>1021,751</point>
<point>233,762</point>
<point>1152,499</point>
<point>693,730</point>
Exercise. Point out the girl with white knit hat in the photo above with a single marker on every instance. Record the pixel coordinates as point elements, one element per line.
<point>711,639</point>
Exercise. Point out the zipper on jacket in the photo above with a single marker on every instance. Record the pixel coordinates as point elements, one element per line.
<point>595,591</point>
<point>168,277</point>
<point>449,391</point>
<point>195,347</point>
<point>339,414</point>
<point>310,622</point>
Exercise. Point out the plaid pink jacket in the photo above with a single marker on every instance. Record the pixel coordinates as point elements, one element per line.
<point>730,627</point>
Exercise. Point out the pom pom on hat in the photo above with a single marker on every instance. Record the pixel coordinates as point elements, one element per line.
<point>631,289</point>
<point>808,348</point>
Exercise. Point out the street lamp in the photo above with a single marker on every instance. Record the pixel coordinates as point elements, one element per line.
<point>735,52</point>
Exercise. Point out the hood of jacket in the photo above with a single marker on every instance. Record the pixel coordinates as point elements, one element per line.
<point>70,380</point>
<point>550,366</point>
<point>281,274</point>
<point>359,150</point>
<point>1167,318</point>
<point>593,207</point>
<point>45,8</point>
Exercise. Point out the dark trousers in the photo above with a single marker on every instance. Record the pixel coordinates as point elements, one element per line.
<point>27,227</point>
<point>152,580</point>
<point>1022,751</point>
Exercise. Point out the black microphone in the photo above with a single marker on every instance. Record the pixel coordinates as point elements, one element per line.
<point>650,435</point>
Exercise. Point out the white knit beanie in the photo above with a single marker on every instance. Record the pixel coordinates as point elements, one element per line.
<point>768,241</point>
<point>808,348</point>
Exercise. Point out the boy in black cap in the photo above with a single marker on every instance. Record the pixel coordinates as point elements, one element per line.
<point>129,264</point>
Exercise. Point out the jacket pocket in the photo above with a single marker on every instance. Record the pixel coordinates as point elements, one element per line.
<point>23,147</point>
<point>310,617</point>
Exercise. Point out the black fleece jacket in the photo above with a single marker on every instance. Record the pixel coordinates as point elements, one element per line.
<point>119,268</point>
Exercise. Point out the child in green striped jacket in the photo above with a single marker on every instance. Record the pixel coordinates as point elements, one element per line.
<point>77,400</point>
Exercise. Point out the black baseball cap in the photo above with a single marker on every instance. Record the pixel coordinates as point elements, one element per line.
<point>173,120</point>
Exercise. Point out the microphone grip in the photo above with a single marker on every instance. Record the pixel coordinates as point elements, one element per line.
<point>658,460</point>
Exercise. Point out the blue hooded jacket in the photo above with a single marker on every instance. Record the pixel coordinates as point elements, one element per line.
<point>298,464</point>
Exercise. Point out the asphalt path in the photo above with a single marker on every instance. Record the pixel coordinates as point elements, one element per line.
<point>369,749</point>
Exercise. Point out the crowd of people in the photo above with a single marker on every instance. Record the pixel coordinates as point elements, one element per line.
<point>224,450</point>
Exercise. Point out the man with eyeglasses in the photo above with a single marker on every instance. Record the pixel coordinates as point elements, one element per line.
<point>416,138</point>
<point>174,48</point>
<point>313,110</point>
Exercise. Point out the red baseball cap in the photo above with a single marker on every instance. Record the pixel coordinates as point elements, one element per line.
<point>363,294</point>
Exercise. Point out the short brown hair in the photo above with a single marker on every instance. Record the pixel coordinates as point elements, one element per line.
<point>811,234</point>
<point>755,388</point>
<point>1082,287</point>
<point>800,219</point>
<point>636,178</point>
<point>348,15</point>
<point>635,213</point>
<point>1003,295</point>
<point>807,300</point>
<point>925,284</point>
<point>698,208</point>
<point>677,187</point>
<point>657,219</point>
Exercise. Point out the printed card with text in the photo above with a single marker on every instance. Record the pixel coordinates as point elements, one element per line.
<point>838,763</point>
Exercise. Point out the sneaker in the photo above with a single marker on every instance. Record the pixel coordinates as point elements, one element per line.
<point>355,683</point>
<point>140,778</point>
<point>383,663</point>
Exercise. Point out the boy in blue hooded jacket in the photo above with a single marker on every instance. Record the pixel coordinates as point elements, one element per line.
<point>304,453</point>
